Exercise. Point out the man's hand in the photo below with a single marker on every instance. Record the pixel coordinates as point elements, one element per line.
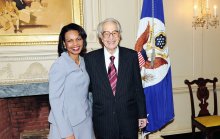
<point>142,122</point>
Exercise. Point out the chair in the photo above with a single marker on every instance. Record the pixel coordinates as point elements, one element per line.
<point>205,122</point>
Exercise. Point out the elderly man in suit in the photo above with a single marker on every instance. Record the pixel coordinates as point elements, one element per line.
<point>115,82</point>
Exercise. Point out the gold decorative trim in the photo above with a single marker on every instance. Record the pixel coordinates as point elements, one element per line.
<point>81,13</point>
<point>27,58</point>
<point>28,43</point>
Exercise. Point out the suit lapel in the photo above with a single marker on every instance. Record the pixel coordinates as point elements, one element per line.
<point>102,67</point>
<point>121,67</point>
<point>102,71</point>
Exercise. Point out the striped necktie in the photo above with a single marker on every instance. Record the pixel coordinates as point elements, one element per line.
<point>112,74</point>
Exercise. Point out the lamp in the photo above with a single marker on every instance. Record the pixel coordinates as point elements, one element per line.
<point>205,17</point>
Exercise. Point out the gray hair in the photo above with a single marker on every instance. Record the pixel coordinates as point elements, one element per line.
<point>112,20</point>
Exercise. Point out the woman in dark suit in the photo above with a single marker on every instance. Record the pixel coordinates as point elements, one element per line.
<point>70,115</point>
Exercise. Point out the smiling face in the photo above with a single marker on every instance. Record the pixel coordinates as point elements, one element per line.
<point>110,36</point>
<point>73,43</point>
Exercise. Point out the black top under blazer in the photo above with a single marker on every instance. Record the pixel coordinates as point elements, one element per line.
<point>116,117</point>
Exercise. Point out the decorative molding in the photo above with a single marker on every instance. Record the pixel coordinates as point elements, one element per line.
<point>93,16</point>
<point>6,71</point>
<point>30,54</point>
<point>27,58</point>
<point>21,81</point>
<point>35,70</point>
<point>35,73</point>
<point>28,43</point>
<point>95,13</point>
<point>81,12</point>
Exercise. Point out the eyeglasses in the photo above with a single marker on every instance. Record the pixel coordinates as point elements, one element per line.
<point>106,34</point>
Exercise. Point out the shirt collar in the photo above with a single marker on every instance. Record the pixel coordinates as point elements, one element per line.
<point>108,55</point>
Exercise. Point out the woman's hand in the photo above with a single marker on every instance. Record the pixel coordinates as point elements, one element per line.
<point>71,137</point>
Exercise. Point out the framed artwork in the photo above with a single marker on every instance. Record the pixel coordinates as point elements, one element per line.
<point>36,22</point>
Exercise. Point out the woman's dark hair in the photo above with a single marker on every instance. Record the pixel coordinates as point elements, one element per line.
<point>71,26</point>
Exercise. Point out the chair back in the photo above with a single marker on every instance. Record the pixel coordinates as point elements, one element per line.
<point>204,89</point>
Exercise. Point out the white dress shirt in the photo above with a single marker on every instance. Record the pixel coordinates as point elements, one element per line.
<point>107,58</point>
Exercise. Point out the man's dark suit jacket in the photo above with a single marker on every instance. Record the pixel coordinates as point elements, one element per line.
<point>116,117</point>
